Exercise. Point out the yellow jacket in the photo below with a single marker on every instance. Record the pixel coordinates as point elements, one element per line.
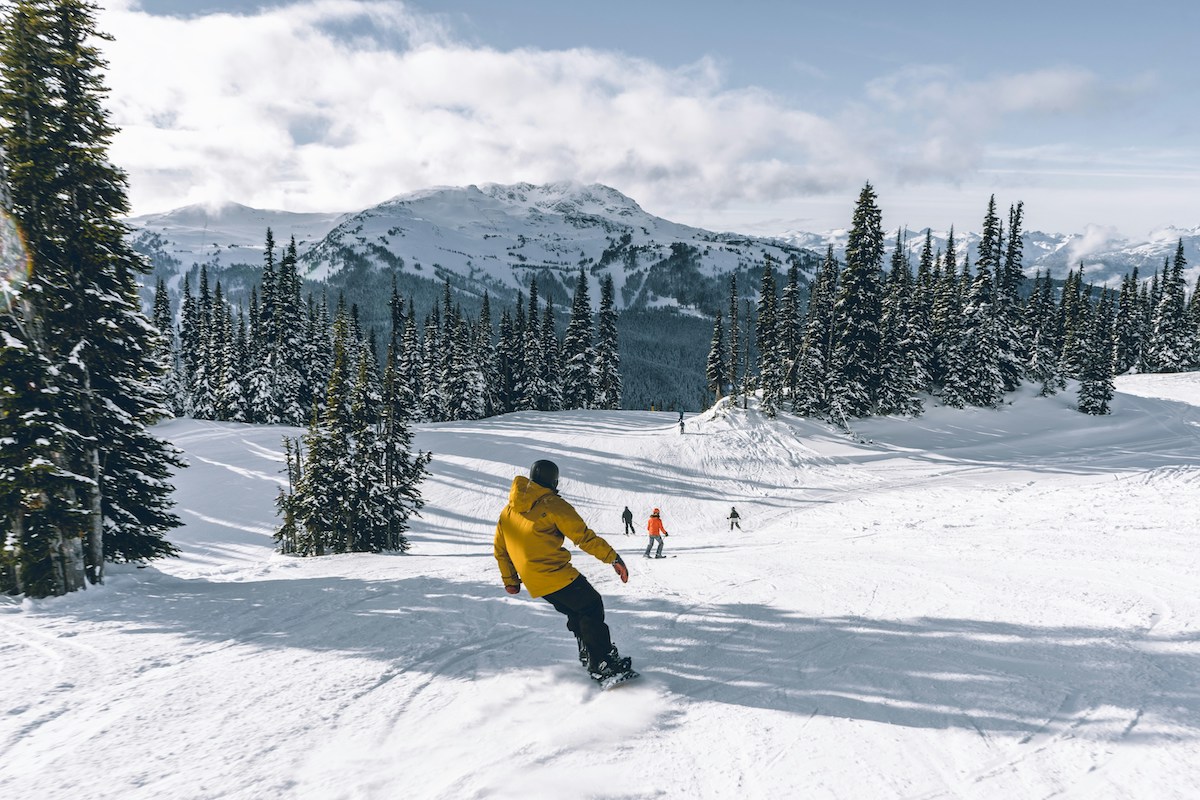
<point>529,539</point>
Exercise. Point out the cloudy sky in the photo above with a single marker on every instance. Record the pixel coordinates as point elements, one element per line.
<point>760,116</point>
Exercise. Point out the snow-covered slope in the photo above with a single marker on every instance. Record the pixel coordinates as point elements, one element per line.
<point>977,603</point>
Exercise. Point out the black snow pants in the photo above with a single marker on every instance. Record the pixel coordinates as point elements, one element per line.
<point>584,609</point>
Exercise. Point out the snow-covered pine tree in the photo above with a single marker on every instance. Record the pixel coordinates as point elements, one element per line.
<point>715,371</point>
<point>1148,297</point>
<point>578,355</point>
<point>952,382</point>
<point>1096,371</point>
<point>486,358</point>
<point>189,346</point>
<point>1074,306</point>
<point>608,353</point>
<point>982,385</point>
<point>432,401</point>
<point>166,349</point>
<point>41,514</point>
<point>507,363</point>
<point>551,362</point>
<point>1193,325</point>
<point>465,387</point>
<point>1041,322</point>
<point>1127,325</point>
<point>100,344</point>
<point>1171,342</point>
<point>1012,335</point>
<point>365,499</point>
<point>816,348</point>
<point>290,371</point>
<point>766,339</point>
<point>734,340</point>
<point>857,311</point>
<point>403,470</point>
<point>901,376</point>
<point>202,389</point>
<point>790,325</point>
<point>320,505</point>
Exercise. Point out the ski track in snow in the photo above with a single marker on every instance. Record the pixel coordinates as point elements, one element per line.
<point>970,604</point>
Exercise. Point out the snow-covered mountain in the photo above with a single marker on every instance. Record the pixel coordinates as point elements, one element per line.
<point>1106,256</point>
<point>491,237</point>
<point>496,237</point>
<point>220,236</point>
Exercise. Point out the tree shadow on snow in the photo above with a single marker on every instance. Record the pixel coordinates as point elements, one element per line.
<point>990,677</point>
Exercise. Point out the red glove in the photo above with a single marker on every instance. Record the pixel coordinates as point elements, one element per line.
<point>513,589</point>
<point>621,570</point>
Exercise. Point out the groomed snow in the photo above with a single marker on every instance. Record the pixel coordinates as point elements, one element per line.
<point>976,603</point>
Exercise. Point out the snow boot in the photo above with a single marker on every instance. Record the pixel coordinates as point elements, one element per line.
<point>612,664</point>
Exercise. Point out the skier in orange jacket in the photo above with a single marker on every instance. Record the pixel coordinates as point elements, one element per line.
<point>657,531</point>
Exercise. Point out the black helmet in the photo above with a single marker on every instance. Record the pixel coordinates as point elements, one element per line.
<point>544,473</point>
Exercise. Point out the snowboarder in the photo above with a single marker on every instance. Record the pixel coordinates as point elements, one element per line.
<point>733,518</point>
<point>657,531</point>
<point>627,518</point>
<point>529,548</point>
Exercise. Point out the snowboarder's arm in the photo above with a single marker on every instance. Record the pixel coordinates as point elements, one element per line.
<point>572,526</point>
<point>508,572</point>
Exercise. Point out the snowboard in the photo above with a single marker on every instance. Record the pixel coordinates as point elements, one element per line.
<point>613,681</point>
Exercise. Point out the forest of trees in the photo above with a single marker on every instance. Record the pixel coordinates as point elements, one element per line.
<point>273,361</point>
<point>353,477</point>
<point>872,341</point>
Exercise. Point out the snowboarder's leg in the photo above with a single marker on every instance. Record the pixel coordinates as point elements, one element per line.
<point>660,546</point>
<point>649,545</point>
<point>584,609</point>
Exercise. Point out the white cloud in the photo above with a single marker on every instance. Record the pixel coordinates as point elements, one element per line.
<point>337,104</point>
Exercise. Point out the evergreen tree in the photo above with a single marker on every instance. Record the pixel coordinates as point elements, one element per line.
<point>1171,342</point>
<point>1096,373</point>
<point>577,353</point>
<point>98,345</point>
<point>1044,348</point>
<point>902,376</point>
<point>815,370</point>
<point>608,353</point>
<point>983,384</point>
<point>166,350</point>
<point>715,370</point>
<point>857,312</point>
<point>486,358</point>
<point>1013,337</point>
<point>766,337</point>
<point>734,335</point>
<point>1127,326</point>
<point>790,325</point>
<point>551,363</point>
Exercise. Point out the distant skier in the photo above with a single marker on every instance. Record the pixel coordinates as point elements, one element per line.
<point>529,548</point>
<point>657,532</point>
<point>627,518</point>
<point>681,422</point>
<point>733,518</point>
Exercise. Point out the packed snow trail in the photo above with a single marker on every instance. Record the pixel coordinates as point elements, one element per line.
<point>970,604</point>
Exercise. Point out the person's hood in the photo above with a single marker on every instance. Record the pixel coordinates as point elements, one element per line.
<point>524,493</point>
